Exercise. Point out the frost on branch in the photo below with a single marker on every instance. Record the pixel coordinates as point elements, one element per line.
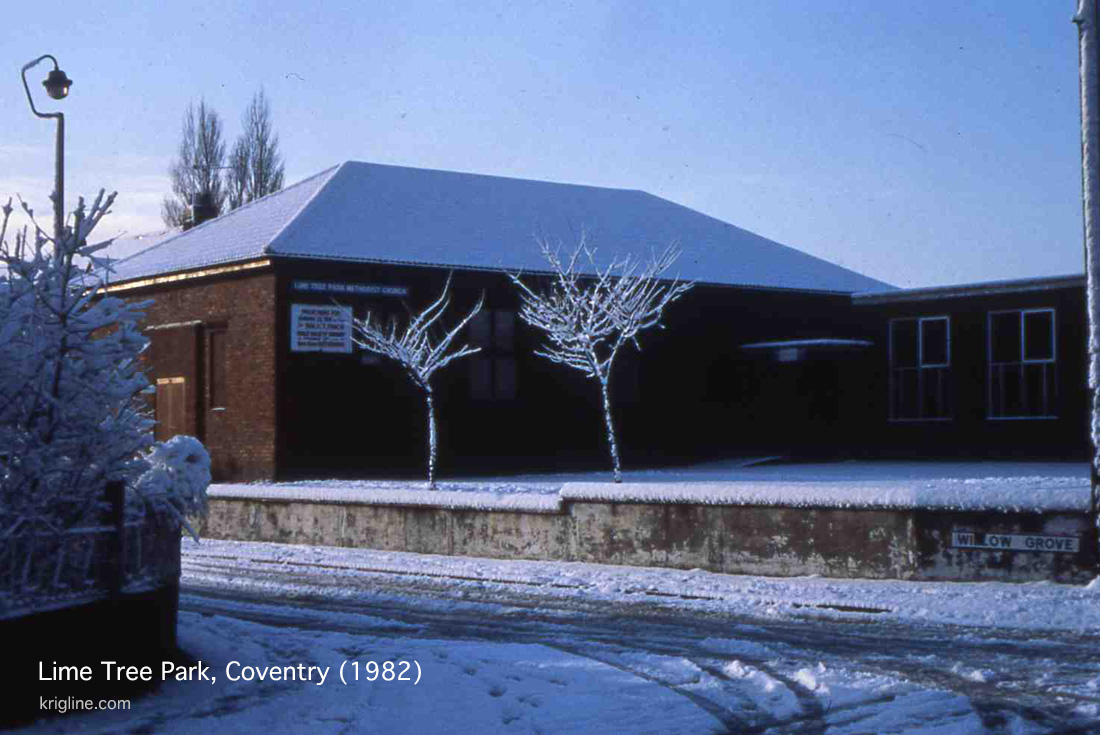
<point>589,316</point>
<point>176,481</point>
<point>71,413</point>
<point>421,348</point>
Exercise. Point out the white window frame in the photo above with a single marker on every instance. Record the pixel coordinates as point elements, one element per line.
<point>921,366</point>
<point>1024,360</point>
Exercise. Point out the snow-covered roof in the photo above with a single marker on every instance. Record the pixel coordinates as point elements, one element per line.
<point>392,214</point>
<point>125,246</point>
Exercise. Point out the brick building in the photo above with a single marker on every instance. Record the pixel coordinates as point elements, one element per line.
<point>251,352</point>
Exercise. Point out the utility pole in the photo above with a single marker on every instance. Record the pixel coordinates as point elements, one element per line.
<point>1089,72</point>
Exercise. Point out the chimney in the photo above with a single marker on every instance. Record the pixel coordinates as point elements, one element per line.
<point>202,208</point>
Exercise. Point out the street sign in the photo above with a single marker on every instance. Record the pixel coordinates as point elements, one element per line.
<point>1014,542</point>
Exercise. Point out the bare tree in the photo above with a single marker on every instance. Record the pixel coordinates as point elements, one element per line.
<point>421,348</point>
<point>236,177</point>
<point>197,166</point>
<point>255,165</point>
<point>588,318</point>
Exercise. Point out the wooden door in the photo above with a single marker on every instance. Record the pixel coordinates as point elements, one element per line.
<point>171,408</point>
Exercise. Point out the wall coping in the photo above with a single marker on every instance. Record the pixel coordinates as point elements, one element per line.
<point>1023,495</point>
<point>394,494</point>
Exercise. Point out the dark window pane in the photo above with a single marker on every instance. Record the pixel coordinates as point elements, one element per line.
<point>906,394</point>
<point>936,403</point>
<point>1039,335</point>
<point>1035,395</point>
<point>479,329</point>
<point>947,403</point>
<point>1005,333</point>
<point>481,377</point>
<point>1011,390</point>
<point>934,335</point>
<point>996,386</point>
<point>505,323</point>
<point>903,343</point>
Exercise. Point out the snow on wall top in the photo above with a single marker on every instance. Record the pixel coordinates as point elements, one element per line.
<point>489,498</point>
<point>1006,495</point>
<point>393,214</point>
<point>1032,494</point>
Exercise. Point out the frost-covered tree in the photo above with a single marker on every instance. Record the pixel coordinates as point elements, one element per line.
<point>422,347</point>
<point>197,166</point>
<point>255,163</point>
<point>590,313</point>
<point>71,413</point>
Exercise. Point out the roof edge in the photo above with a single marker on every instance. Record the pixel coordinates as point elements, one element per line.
<point>189,275</point>
<point>331,172</point>
<point>283,257</point>
<point>986,288</point>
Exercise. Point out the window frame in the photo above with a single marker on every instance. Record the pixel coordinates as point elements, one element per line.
<point>921,367</point>
<point>1024,360</point>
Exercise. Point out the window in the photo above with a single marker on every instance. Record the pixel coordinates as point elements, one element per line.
<point>920,361</point>
<point>1023,375</point>
<point>218,360</point>
<point>493,370</point>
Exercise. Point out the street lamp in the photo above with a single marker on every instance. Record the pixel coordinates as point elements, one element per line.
<point>57,86</point>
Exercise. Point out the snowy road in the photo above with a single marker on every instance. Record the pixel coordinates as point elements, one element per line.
<point>514,647</point>
<point>919,676</point>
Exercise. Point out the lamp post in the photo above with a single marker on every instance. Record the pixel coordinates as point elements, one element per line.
<point>57,86</point>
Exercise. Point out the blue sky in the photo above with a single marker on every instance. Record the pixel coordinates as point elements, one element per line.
<point>918,143</point>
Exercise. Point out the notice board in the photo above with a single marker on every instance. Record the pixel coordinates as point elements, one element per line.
<point>320,328</point>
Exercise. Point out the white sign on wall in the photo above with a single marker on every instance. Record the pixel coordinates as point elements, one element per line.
<point>1014,542</point>
<point>318,328</point>
<point>360,289</point>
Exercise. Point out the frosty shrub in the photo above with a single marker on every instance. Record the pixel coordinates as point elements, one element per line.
<point>421,348</point>
<point>71,414</point>
<point>589,313</point>
<point>176,481</point>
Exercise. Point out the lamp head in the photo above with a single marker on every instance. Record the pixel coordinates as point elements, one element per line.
<point>57,84</point>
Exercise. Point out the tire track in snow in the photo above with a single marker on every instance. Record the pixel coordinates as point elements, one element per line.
<point>928,656</point>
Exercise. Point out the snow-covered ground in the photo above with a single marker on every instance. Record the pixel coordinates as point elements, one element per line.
<point>507,646</point>
<point>525,647</point>
<point>1038,607</point>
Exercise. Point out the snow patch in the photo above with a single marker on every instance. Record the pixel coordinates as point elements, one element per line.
<point>394,494</point>
<point>1019,494</point>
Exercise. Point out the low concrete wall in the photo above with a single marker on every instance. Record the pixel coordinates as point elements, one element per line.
<point>874,543</point>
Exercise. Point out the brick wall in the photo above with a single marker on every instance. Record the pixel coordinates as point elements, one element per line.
<point>237,428</point>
